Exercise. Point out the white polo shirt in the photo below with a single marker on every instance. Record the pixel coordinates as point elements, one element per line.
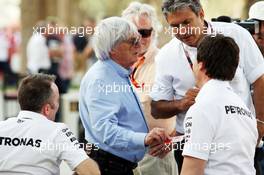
<point>220,129</point>
<point>37,54</point>
<point>32,144</point>
<point>174,75</point>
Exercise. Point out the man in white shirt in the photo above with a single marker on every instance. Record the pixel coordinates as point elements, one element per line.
<point>221,132</point>
<point>38,58</point>
<point>174,91</point>
<point>32,143</point>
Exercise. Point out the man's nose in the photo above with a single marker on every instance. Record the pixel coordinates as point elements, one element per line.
<point>142,42</point>
<point>139,44</point>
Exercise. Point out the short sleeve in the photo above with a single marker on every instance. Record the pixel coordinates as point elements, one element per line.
<point>69,147</point>
<point>162,88</point>
<point>252,58</point>
<point>198,134</point>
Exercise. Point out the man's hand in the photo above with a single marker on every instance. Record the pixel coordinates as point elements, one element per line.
<point>156,136</point>
<point>156,139</point>
<point>160,150</point>
<point>189,98</point>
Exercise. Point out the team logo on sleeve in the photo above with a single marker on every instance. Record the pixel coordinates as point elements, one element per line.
<point>187,128</point>
<point>70,135</point>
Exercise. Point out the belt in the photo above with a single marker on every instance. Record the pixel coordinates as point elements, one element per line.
<point>179,133</point>
<point>112,159</point>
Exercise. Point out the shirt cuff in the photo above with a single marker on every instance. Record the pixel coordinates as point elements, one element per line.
<point>195,154</point>
<point>156,96</point>
<point>256,73</point>
<point>77,160</point>
<point>138,140</point>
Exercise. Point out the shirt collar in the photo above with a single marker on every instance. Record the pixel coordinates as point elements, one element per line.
<point>31,115</point>
<point>211,84</point>
<point>123,72</point>
<point>189,48</point>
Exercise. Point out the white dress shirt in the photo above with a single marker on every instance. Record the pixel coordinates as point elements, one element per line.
<point>174,75</point>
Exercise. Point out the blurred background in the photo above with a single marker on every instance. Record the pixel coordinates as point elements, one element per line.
<point>19,16</point>
<point>70,54</point>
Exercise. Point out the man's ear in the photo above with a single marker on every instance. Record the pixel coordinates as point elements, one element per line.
<point>201,66</point>
<point>201,14</point>
<point>45,110</point>
<point>112,53</point>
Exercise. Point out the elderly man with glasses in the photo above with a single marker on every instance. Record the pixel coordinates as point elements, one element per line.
<point>145,18</point>
<point>109,108</point>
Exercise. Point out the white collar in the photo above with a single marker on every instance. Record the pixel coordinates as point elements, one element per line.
<point>189,48</point>
<point>212,84</point>
<point>24,114</point>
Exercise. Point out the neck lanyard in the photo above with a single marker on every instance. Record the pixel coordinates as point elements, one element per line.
<point>132,76</point>
<point>187,55</point>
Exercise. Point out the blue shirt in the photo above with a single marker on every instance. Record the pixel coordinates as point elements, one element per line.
<point>110,111</point>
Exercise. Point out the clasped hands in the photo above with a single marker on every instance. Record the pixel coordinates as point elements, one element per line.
<point>158,142</point>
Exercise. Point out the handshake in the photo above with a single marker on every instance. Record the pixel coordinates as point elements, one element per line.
<point>158,142</point>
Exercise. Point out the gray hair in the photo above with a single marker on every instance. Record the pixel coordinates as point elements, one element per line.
<point>170,6</point>
<point>108,33</point>
<point>136,9</point>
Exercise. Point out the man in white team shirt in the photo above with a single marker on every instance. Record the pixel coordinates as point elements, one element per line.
<point>32,143</point>
<point>221,132</point>
<point>174,91</point>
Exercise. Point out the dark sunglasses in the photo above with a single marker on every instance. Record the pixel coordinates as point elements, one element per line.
<point>145,33</point>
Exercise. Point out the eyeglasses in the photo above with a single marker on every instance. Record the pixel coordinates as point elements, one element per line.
<point>145,33</point>
<point>134,41</point>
